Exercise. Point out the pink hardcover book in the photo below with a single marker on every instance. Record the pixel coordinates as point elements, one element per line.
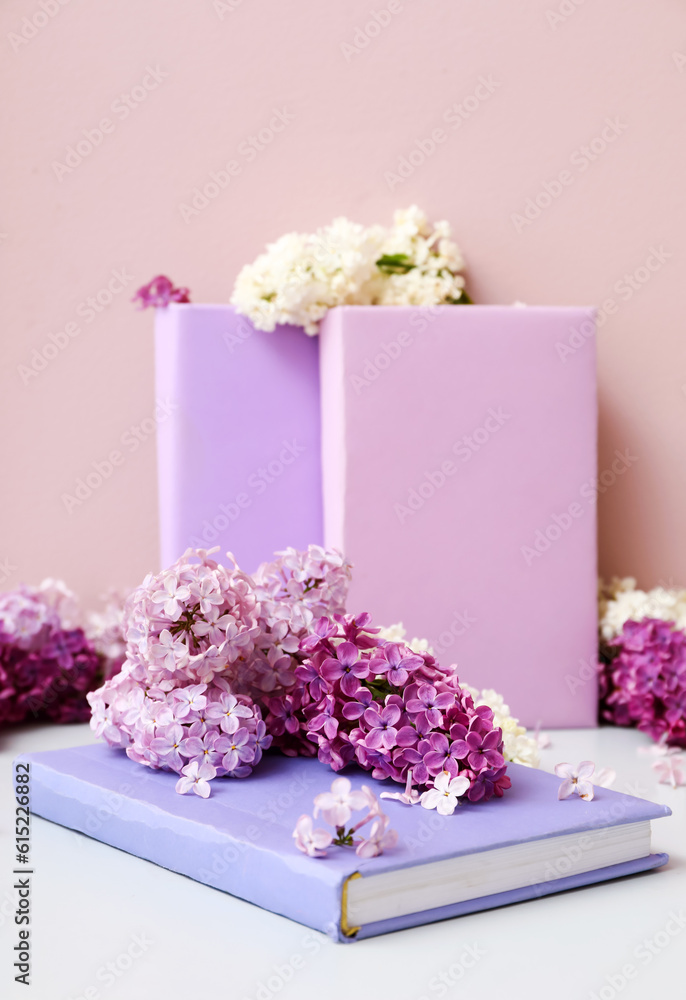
<point>459,468</point>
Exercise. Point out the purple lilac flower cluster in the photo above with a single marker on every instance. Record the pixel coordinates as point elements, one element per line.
<point>391,710</point>
<point>643,680</point>
<point>204,642</point>
<point>46,664</point>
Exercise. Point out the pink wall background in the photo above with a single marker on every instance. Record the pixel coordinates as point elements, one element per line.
<point>558,72</point>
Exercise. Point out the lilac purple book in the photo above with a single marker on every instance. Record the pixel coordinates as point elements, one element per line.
<point>460,468</point>
<point>239,456</point>
<point>508,850</point>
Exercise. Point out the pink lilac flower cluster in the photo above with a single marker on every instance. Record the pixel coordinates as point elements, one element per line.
<point>389,709</point>
<point>337,807</point>
<point>158,293</point>
<point>202,639</point>
<point>46,664</point>
<point>643,681</point>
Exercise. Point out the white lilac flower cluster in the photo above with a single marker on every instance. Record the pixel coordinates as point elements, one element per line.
<point>620,601</point>
<point>518,746</point>
<point>201,639</point>
<point>303,275</point>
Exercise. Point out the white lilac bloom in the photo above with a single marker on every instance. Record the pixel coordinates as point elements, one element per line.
<point>444,796</point>
<point>518,746</point>
<point>301,276</point>
<point>620,601</point>
<point>397,633</point>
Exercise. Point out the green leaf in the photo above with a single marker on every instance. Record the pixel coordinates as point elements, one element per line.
<point>464,300</point>
<point>395,263</point>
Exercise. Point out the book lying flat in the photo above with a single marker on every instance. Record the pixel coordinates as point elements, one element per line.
<point>487,854</point>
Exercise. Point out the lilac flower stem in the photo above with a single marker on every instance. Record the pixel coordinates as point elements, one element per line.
<point>362,822</point>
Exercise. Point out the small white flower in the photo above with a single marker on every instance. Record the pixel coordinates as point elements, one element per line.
<point>445,793</point>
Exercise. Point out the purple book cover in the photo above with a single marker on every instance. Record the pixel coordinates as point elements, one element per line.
<point>239,458</point>
<point>460,471</point>
<point>240,839</point>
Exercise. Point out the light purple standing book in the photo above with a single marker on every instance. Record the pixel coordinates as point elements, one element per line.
<point>239,458</point>
<point>525,845</point>
<point>460,479</point>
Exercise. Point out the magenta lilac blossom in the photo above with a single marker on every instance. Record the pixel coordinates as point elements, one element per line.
<point>360,699</point>
<point>158,293</point>
<point>643,683</point>
<point>46,664</point>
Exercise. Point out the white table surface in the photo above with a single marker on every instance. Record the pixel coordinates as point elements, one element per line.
<point>90,903</point>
